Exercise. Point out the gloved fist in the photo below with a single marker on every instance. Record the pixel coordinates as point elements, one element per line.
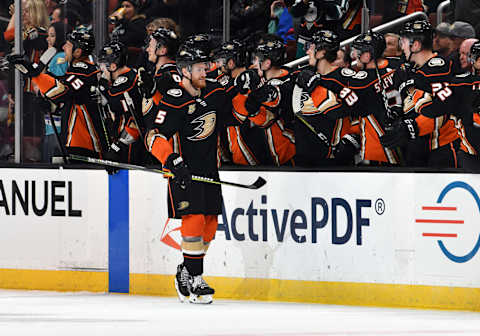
<point>401,132</point>
<point>346,149</point>
<point>264,94</point>
<point>181,174</point>
<point>308,80</point>
<point>24,66</point>
<point>146,83</point>
<point>249,80</point>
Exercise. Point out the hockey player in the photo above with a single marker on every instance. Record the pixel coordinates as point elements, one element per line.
<point>230,59</point>
<point>380,96</point>
<point>83,128</point>
<point>120,86</point>
<point>274,141</point>
<point>328,107</point>
<point>192,109</point>
<point>161,49</point>
<point>464,103</point>
<point>429,77</point>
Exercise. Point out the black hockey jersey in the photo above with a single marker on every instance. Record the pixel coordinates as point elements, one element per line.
<point>197,121</point>
<point>82,124</point>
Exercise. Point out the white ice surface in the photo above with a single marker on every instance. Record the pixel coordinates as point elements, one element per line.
<point>69,314</point>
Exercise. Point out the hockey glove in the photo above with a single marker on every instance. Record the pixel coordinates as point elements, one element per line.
<point>401,132</point>
<point>346,149</point>
<point>146,83</point>
<point>249,80</point>
<point>264,94</point>
<point>28,68</point>
<point>181,174</point>
<point>308,80</point>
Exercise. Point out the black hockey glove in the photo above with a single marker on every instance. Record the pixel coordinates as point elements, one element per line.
<point>264,94</point>
<point>401,132</point>
<point>249,80</point>
<point>181,174</point>
<point>394,113</point>
<point>26,67</point>
<point>346,149</point>
<point>114,154</point>
<point>146,83</point>
<point>308,80</point>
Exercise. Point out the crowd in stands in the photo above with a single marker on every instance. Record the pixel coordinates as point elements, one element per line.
<point>47,23</point>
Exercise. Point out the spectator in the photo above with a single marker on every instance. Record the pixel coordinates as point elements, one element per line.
<point>393,45</point>
<point>468,11</point>
<point>248,17</point>
<point>442,41</point>
<point>57,68</point>
<point>459,32</point>
<point>281,23</point>
<point>398,8</point>
<point>130,28</point>
<point>35,23</point>
<point>465,54</point>
<point>322,14</point>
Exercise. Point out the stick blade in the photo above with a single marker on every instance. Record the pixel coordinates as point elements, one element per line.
<point>260,182</point>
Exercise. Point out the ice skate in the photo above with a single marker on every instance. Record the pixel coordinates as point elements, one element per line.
<point>200,291</point>
<point>181,283</point>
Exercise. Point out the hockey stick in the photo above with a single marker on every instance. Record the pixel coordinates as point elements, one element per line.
<point>260,182</point>
<point>57,136</point>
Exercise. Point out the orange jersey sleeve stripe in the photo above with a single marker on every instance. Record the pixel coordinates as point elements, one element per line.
<point>44,82</point>
<point>425,125</point>
<point>161,149</point>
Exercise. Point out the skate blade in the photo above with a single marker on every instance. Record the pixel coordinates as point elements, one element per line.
<point>202,299</point>
<point>181,297</point>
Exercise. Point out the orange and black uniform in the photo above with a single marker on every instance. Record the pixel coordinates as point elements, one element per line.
<point>466,117</point>
<point>435,123</point>
<point>323,112</point>
<point>125,122</point>
<point>373,114</point>
<point>82,129</point>
<point>268,136</point>
<point>197,121</point>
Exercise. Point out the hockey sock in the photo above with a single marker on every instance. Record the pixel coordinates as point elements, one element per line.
<point>193,263</point>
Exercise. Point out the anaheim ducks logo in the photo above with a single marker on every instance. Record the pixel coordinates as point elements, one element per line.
<point>206,126</point>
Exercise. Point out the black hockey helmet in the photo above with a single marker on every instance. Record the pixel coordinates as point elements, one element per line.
<point>231,50</point>
<point>114,52</point>
<point>188,55</point>
<point>474,52</point>
<point>325,40</point>
<point>370,42</point>
<point>420,30</point>
<point>82,37</point>
<point>200,41</point>
<point>168,38</point>
<point>274,50</point>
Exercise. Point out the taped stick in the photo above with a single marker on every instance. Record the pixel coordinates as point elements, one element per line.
<point>260,182</point>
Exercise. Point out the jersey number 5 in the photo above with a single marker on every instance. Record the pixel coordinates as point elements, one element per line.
<point>160,117</point>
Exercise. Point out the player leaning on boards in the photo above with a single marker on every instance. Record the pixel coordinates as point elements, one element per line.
<point>83,129</point>
<point>330,109</point>
<point>193,110</point>
<point>466,113</point>
<point>425,76</point>
<point>119,87</point>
